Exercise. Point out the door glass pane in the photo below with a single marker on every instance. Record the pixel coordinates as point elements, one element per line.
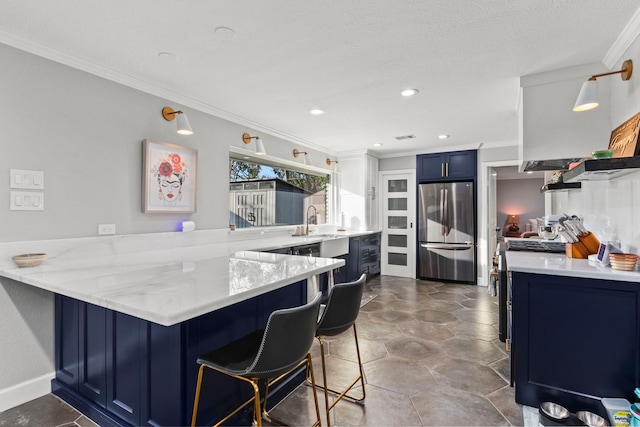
<point>398,204</point>
<point>397,186</point>
<point>398,222</point>
<point>397,259</point>
<point>398,240</point>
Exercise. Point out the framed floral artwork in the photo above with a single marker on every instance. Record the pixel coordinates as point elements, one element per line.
<point>169,178</point>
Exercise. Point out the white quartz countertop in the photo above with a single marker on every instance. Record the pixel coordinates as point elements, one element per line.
<point>165,278</point>
<point>561,265</point>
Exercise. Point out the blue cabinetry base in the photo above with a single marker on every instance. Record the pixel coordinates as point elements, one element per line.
<point>90,409</point>
<point>575,340</point>
<point>122,370</point>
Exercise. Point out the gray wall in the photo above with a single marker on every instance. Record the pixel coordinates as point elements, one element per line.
<point>397,163</point>
<point>86,134</point>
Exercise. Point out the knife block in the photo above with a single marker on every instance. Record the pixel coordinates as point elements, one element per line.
<point>590,242</point>
<point>575,250</point>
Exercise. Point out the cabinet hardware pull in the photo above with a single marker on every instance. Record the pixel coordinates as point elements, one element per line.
<point>447,169</point>
<point>507,345</point>
<point>509,306</point>
<point>441,169</point>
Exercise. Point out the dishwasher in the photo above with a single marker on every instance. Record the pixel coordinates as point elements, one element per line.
<point>309,250</point>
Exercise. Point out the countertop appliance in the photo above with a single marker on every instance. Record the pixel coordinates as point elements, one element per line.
<point>446,231</point>
<point>536,245</point>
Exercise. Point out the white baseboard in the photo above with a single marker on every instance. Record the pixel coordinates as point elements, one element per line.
<point>25,391</point>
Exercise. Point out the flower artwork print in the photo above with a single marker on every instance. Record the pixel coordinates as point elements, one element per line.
<point>170,178</point>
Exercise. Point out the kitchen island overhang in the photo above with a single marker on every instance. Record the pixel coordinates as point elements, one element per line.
<point>130,324</point>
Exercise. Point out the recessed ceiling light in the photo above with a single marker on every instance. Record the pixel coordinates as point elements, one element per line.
<point>409,92</point>
<point>317,111</point>
<point>529,172</point>
<point>225,33</point>
<point>443,136</point>
<point>167,57</point>
<point>377,144</point>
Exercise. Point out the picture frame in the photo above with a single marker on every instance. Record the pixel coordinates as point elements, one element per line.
<point>624,138</point>
<point>169,183</point>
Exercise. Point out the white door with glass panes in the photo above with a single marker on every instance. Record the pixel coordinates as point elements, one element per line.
<point>398,223</point>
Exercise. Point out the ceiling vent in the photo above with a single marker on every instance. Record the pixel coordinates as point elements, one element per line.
<point>403,137</point>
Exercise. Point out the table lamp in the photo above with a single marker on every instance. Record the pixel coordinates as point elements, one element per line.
<point>513,222</point>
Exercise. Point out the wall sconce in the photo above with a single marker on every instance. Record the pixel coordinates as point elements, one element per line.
<point>588,96</point>
<point>246,138</point>
<point>184,128</point>
<point>305,158</point>
<point>335,168</point>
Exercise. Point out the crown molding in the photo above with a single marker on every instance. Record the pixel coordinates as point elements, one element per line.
<point>98,70</point>
<point>628,35</point>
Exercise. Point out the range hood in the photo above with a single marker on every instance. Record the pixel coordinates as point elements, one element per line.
<point>548,165</point>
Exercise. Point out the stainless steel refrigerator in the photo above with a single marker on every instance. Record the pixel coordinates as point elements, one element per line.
<point>446,230</point>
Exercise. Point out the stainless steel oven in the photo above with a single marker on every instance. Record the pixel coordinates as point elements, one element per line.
<point>505,311</point>
<point>504,305</point>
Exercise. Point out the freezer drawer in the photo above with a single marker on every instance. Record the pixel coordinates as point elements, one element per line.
<point>441,261</point>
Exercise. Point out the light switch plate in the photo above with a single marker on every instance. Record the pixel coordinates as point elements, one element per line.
<point>30,180</point>
<point>26,201</point>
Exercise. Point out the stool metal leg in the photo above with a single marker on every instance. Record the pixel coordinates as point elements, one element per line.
<point>197,400</point>
<point>344,393</point>
<point>309,370</point>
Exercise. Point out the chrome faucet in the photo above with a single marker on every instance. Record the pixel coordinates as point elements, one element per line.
<point>315,217</point>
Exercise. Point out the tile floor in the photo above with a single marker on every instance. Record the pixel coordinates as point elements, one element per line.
<point>431,358</point>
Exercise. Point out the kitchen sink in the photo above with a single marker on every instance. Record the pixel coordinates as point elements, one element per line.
<point>333,245</point>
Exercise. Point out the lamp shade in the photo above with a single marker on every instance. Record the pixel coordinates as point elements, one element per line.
<point>260,147</point>
<point>513,219</point>
<point>588,96</point>
<point>184,128</point>
<point>306,159</point>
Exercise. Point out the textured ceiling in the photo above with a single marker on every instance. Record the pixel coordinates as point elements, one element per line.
<point>350,58</point>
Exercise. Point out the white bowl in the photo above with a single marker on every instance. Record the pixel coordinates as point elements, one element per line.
<point>29,260</point>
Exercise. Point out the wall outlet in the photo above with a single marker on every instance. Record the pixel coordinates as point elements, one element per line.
<point>106,229</point>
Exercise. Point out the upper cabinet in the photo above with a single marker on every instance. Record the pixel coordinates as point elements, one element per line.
<point>449,166</point>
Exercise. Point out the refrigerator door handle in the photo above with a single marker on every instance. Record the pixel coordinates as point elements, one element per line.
<point>466,247</point>
<point>446,212</point>
<point>442,226</point>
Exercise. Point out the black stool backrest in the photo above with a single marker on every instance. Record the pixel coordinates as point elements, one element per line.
<point>342,307</point>
<point>287,339</point>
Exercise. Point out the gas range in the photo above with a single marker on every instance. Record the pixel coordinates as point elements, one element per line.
<point>535,245</point>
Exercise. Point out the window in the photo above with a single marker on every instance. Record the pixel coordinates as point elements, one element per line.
<point>264,195</point>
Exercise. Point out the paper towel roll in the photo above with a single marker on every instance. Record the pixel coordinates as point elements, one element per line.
<point>188,226</point>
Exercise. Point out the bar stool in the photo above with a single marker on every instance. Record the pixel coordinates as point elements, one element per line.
<point>339,314</point>
<point>268,354</point>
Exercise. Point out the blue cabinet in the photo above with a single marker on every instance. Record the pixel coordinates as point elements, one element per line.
<point>122,370</point>
<point>574,340</point>
<point>448,166</point>
<point>363,257</point>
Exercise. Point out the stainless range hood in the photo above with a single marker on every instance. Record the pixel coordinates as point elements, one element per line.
<point>548,165</point>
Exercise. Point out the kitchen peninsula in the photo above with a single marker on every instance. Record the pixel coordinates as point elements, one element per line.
<point>576,331</point>
<point>132,314</point>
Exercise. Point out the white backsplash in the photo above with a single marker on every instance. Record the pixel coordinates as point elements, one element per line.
<point>610,209</point>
